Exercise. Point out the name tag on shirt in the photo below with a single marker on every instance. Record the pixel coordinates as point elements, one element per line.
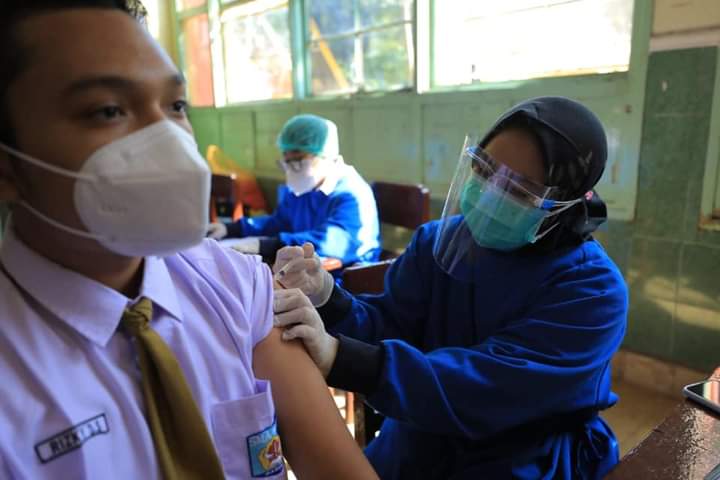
<point>71,438</point>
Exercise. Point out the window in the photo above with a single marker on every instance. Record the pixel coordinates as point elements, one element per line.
<point>195,51</point>
<point>256,50</point>
<point>346,46</point>
<point>497,40</point>
<point>359,45</point>
<point>153,17</point>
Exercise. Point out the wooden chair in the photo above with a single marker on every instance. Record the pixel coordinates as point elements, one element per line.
<point>247,189</point>
<point>223,199</point>
<point>402,205</point>
<point>366,278</point>
<point>405,206</point>
<point>399,205</point>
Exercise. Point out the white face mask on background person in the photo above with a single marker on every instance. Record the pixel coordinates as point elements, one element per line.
<point>143,194</point>
<point>309,176</point>
<point>299,183</point>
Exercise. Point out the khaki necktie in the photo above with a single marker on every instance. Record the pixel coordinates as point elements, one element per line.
<point>182,442</point>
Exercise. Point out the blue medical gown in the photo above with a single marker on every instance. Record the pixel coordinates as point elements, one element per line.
<point>341,224</point>
<point>528,342</point>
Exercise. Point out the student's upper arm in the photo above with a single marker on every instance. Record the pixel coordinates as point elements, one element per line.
<point>315,439</point>
<point>314,436</point>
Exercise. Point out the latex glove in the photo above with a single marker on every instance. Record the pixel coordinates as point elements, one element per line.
<point>217,231</point>
<point>295,313</point>
<point>301,268</point>
<point>249,245</point>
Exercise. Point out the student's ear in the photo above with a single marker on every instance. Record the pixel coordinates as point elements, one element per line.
<point>9,189</point>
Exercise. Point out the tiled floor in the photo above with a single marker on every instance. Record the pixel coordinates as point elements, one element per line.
<point>637,412</point>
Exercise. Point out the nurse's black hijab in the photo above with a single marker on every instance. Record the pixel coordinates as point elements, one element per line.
<point>574,148</point>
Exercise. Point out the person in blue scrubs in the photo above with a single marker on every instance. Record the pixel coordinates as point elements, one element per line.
<point>324,202</point>
<point>489,350</point>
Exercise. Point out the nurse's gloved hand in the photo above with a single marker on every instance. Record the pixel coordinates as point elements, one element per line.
<point>217,231</point>
<point>301,268</point>
<point>295,313</point>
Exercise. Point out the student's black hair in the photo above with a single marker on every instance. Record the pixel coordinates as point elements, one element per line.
<point>13,56</point>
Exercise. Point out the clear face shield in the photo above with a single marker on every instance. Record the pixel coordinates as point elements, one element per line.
<point>489,206</point>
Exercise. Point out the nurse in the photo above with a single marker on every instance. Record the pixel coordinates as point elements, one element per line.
<point>325,202</point>
<point>489,350</point>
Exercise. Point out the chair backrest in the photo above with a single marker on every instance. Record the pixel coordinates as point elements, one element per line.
<point>223,199</point>
<point>402,205</point>
<point>366,278</point>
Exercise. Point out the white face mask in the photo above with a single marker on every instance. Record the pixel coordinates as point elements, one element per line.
<point>309,177</point>
<point>144,194</point>
<point>300,184</point>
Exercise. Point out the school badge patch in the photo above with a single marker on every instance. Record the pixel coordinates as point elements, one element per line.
<point>265,452</point>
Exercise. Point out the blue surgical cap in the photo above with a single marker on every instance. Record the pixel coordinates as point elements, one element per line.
<point>311,134</point>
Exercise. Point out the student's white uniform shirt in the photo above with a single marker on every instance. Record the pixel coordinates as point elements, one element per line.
<point>72,406</point>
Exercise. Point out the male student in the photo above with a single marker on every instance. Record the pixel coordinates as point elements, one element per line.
<point>130,347</point>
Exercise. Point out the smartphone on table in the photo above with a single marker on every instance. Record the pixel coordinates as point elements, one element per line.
<point>706,393</point>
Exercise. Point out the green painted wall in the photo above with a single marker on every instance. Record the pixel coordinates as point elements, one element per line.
<point>411,138</point>
<point>672,266</point>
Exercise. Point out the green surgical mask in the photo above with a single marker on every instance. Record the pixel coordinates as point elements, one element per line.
<point>497,220</point>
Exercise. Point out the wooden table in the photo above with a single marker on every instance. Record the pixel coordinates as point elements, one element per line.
<point>686,445</point>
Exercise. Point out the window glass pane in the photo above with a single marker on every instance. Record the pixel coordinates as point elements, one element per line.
<point>186,4</point>
<point>332,65</point>
<point>330,17</point>
<point>379,59</point>
<point>256,39</point>
<point>198,66</point>
<point>497,40</point>
<point>378,12</point>
<point>386,62</point>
